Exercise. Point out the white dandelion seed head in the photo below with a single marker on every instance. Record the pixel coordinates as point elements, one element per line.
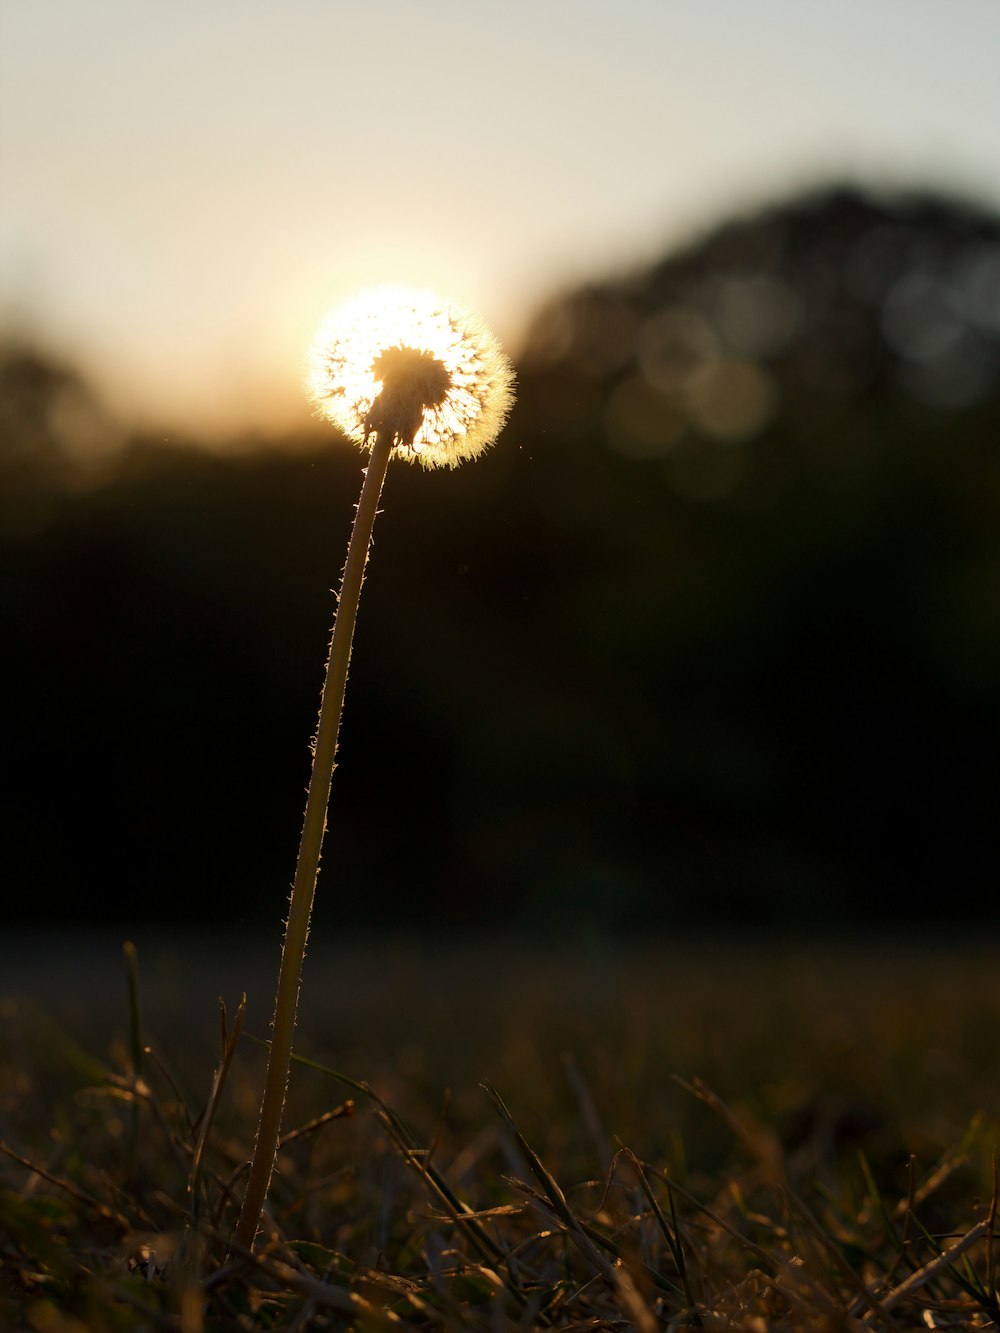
<point>425,369</point>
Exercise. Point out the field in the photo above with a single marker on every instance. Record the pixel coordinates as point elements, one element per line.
<point>714,1133</point>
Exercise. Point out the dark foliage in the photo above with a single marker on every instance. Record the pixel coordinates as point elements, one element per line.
<point>714,632</point>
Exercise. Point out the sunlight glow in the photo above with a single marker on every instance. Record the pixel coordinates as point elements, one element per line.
<point>460,383</point>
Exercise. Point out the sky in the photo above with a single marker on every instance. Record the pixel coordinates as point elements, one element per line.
<point>187,188</point>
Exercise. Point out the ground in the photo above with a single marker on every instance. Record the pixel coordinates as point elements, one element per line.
<point>732,1133</point>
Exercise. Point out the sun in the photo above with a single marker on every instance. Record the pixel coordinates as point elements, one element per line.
<point>409,362</point>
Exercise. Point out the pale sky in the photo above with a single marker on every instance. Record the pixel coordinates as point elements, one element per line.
<point>187,187</point>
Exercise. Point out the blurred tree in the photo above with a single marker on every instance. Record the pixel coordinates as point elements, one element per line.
<point>54,436</point>
<point>804,598</point>
<point>712,634</point>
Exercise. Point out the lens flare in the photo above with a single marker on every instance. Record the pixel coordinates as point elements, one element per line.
<point>408,361</point>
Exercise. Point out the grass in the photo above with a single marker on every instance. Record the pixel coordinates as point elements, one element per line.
<point>719,1136</point>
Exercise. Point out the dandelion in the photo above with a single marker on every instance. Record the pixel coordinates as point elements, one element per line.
<point>404,374</point>
<point>427,369</point>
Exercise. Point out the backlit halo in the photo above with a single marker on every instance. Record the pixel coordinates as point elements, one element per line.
<point>451,386</point>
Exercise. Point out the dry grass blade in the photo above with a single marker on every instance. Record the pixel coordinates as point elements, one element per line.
<point>765,1149</point>
<point>901,1240</point>
<point>875,1195</point>
<point>635,1307</point>
<point>458,1212</point>
<point>172,1084</point>
<point>405,1142</point>
<point>288,1277</point>
<point>140,1091</point>
<point>991,1257</point>
<point>672,1237</point>
<point>135,1043</point>
<point>929,1271</point>
<point>566,1222</point>
<point>768,1260</point>
<point>91,1203</point>
<point>218,1082</point>
<point>557,1199</point>
<point>590,1243</point>
<point>951,1162</point>
<point>575,1227</point>
<point>134,1016</point>
<point>481,1215</point>
<point>346,1109</point>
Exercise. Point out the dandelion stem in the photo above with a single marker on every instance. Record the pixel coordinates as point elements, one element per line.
<point>311,844</point>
